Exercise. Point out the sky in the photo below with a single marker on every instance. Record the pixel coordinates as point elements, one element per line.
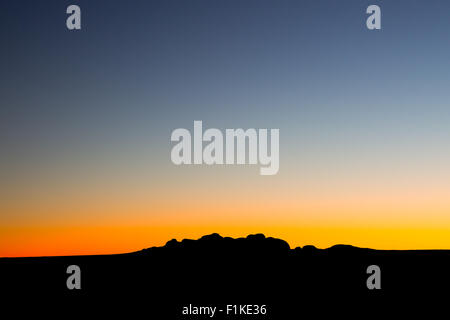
<point>86,118</point>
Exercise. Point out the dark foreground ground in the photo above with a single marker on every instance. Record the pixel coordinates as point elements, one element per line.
<point>157,283</point>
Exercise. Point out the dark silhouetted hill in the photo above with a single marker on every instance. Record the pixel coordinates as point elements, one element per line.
<point>216,270</point>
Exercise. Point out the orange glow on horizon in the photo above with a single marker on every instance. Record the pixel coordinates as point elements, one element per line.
<point>108,217</point>
<point>64,240</point>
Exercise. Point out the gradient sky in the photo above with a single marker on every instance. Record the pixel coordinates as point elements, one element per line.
<point>86,118</point>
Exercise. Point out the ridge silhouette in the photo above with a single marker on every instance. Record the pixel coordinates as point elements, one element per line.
<point>222,270</point>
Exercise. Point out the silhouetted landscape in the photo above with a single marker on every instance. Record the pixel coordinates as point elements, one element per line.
<point>216,270</point>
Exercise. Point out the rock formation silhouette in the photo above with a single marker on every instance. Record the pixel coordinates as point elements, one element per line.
<point>221,270</point>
